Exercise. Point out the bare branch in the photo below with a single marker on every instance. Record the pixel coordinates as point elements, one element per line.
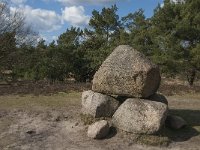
<point>14,22</point>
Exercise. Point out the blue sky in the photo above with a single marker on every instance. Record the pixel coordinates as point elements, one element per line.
<point>52,17</point>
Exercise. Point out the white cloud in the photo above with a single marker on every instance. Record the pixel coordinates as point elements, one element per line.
<point>162,5</point>
<point>173,1</point>
<point>176,1</point>
<point>47,37</point>
<point>18,1</point>
<point>43,20</point>
<point>78,2</point>
<point>54,38</point>
<point>40,19</point>
<point>75,15</point>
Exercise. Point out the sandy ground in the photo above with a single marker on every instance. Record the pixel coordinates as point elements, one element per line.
<point>62,129</point>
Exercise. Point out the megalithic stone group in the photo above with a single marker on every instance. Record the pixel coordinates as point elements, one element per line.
<point>127,74</point>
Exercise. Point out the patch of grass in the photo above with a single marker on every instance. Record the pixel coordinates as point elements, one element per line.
<point>153,140</point>
<point>145,139</point>
<point>188,96</point>
<point>59,100</point>
<point>89,119</point>
<point>165,136</point>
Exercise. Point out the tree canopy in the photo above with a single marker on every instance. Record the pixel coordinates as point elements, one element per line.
<point>170,38</point>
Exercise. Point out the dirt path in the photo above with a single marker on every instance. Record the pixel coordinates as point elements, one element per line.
<point>62,129</point>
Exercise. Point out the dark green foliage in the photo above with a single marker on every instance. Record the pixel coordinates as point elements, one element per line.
<point>106,22</point>
<point>7,51</point>
<point>103,36</point>
<point>176,30</point>
<point>170,38</point>
<point>139,28</point>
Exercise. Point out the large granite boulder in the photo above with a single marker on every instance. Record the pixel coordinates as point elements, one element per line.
<point>98,130</point>
<point>140,116</point>
<point>98,105</point>
<point>127,72</point>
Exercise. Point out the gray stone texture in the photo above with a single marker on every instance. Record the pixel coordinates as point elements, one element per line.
<point>98,105</point>
<point>127,72</point>
<point>140,116</point>
<point>98,130</point>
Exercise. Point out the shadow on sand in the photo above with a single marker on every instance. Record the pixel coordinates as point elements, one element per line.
<point>192,117</point>
<point>112,133</point>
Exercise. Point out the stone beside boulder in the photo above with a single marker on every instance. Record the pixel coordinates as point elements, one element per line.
<point>98,105</point>
<point>98,130</point>
<point>140,116</point>
<point>175,122</point>
<point>127,72</point>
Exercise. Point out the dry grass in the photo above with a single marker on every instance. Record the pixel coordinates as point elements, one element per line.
<point>187,106</point>
<point>89,119</point>
<point>187,96</point>
<point>153,140</point>
<point>60,100</point>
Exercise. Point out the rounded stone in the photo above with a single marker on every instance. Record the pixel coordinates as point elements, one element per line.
<point>127,72</point>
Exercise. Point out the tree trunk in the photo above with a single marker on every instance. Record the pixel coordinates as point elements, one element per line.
<point>191,74</point>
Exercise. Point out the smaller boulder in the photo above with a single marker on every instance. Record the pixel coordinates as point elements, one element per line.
<point>140,116</point>
<point>175,122</point>
<point>98,105</point>
<point>98,130</point>
<point>158,98</point>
